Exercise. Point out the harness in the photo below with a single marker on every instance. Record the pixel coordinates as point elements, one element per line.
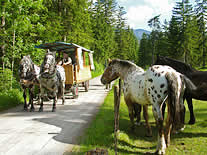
<point>48,76</point>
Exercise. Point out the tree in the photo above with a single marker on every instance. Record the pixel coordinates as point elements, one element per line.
<point>103,29</point>
<point>144,51</point>
<point>154,23</point>
<point>183,14</point>
<point>201,13</point>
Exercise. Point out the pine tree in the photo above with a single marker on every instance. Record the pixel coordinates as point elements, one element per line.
<point>183,14</point>
<point>144,53</point>
<point>103,29</point>
<point>201,13</point>
<point>154,23</point>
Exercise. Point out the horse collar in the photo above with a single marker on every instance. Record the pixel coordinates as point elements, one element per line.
<point>50,76</point>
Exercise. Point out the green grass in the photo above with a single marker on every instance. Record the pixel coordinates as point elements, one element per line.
<point>10,99</point>
<point>100,133</point>
<point>99,69</point>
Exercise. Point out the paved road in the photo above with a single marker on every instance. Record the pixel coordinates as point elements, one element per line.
<point>48,133</point>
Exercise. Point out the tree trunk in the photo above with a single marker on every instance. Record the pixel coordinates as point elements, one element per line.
<point>203,49</point>
<point>2,47</point>
<point>12,64</point>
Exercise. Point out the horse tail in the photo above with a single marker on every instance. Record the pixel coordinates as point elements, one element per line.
<point>175,99</point>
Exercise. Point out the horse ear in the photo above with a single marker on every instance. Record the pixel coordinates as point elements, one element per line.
<point>54,53</point>
<point>109,60</point>
<point>158,57</point>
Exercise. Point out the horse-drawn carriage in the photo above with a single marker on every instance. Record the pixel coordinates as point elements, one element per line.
<point>79,70</point>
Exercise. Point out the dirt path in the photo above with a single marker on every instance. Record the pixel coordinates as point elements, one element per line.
<point>48,133</point>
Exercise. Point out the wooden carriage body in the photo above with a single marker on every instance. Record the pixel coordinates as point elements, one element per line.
<point>79,72</point>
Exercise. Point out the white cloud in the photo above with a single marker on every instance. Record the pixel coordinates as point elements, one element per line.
<point>140,11</point>
<point>137,15</point>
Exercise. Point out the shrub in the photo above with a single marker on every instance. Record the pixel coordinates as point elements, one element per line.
<point>10,98</point>
<point>99,68</point>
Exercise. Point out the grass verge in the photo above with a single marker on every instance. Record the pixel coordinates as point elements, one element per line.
<point>100,133</point>
<point>10,99</point>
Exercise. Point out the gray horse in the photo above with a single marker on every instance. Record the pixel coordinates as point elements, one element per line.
<point>29,77</point>
<point>52,80</point>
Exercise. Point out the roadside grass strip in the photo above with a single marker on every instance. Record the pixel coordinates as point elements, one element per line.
<point>100,133</point>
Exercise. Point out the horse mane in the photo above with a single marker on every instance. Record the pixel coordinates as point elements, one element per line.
<point>176,64</point>
<point>125,64</point>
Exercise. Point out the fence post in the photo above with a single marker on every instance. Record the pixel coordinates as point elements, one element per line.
<point>117,99</point>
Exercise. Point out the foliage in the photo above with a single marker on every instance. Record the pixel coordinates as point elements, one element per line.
<point>183,38</point>
<point>11,98</point>
<point>24,24</point>
<point>99,69</point>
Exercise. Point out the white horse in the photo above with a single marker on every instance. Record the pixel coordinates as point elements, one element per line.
<point>151,87</point>
<point>29,77</point>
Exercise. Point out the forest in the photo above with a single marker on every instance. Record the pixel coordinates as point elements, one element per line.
<point>100,26</point>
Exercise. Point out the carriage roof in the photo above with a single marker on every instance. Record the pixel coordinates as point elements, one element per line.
<point>61,46</point>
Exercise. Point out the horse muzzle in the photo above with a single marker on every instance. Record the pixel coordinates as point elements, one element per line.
<point>103,81</point>
<point>24,82</point>
<point>46,68</point>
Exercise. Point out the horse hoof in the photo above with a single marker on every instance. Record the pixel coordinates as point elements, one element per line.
<point>138,123</point>
<point>54,110</point>
<point>191,122</point>
<point>41,110</point>
<point>25,109</point>
<point>159,152</point>
<point>32,109</point>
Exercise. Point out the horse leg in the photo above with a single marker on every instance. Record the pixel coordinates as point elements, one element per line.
<point>54,103</point>
<point>190,107</point>
<point>169,123</point>
<point>31,91</point>
<point>146,117</point>
<point>137,112</point>
<point>63,92</point>
<point>42,97</point>
<point>161,146</point>
<point>131,115</point>
<point>163,109</point>
<point>25,100</point>
<point>39,98</point>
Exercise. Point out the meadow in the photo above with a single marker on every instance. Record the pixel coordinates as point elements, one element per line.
<point>100,133</point>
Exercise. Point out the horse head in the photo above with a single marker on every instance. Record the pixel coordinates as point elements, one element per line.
<point>161,61</point>
<point>111,72</point>
<point>49,64</point>
<point>26,67</point>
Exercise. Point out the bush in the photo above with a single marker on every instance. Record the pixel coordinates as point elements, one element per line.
<point>99,69</point>
<point>5,79</point>
<point>10,98</point>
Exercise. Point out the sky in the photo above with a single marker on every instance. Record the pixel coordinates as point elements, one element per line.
<point>140,11</point>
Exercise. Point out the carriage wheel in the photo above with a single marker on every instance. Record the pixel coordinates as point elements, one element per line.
<point>75,91</point>
<point>86,85</point>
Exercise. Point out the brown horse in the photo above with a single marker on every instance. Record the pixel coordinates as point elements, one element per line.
<point>199,78</point>
<point>151,87</point>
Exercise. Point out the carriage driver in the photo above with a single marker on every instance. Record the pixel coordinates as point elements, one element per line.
<point>66,60</point>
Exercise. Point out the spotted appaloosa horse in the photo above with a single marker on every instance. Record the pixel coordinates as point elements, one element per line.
<point>29,77</point>
<point>52,80</point>
<point>151,87</point>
